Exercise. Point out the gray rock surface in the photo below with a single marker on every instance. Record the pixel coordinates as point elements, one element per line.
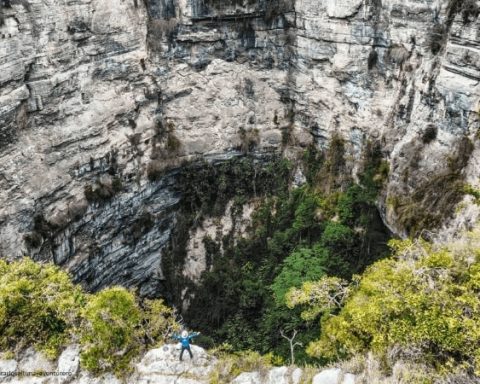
<point>92,92</point>
<point>69,361</point>
<point>333,376</point>
<point>162,365</point>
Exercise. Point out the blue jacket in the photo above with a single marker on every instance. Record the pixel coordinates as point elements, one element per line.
<point>185,341</point>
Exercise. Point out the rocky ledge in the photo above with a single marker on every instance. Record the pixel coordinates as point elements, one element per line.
<point>158,366</point>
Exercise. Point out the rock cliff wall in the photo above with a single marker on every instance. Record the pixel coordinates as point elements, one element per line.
<point>101,102</point>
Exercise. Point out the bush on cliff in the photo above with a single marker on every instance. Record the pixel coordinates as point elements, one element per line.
<point>116,327</point>
<point>421,305</point>
<point>110,331</point>
<point>41,307</point>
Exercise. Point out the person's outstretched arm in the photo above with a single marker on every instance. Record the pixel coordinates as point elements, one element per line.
<point>192,335</point>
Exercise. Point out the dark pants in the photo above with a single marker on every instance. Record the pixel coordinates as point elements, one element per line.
<point>186,349</point>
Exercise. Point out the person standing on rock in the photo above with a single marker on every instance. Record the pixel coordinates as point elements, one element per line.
<point>185,339</point>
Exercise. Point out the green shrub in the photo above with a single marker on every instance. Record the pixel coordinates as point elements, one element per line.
<point>472,191</point>
<point>422,305</point>
<point>116,327</point>
<point>337,234</point>
<point>158,321</point>
<point>39,306</point>
<point>109,335</point>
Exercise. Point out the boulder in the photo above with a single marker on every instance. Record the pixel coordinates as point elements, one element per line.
<point>333,376</point>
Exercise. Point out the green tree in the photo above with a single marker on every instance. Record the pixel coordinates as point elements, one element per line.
<point>304,264</point>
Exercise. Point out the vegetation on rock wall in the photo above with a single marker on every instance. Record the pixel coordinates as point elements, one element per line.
<point>329,226</point>
<point>41,307</point>
<point>468,9</point>
<point>111,318</point>
<point>435,198</point>
<point>103,190</point>
<point>421,305</point>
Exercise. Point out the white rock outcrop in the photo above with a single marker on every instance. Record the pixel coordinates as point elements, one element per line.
<point>333,376</point>
<point>162,366</point>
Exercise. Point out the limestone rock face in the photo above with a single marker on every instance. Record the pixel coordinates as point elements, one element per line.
<point>96,97</point>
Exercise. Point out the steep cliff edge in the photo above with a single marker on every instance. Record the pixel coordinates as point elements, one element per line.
<point>102,102</point>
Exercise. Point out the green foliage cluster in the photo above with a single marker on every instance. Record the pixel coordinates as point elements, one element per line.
<point>304,264</point>
<point>422,305</point>
<point>41,307</point>
<point>296,235</point>
<point>109,336</point>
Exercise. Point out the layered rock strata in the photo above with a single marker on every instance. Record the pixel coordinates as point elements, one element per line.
<point>101,102</point>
